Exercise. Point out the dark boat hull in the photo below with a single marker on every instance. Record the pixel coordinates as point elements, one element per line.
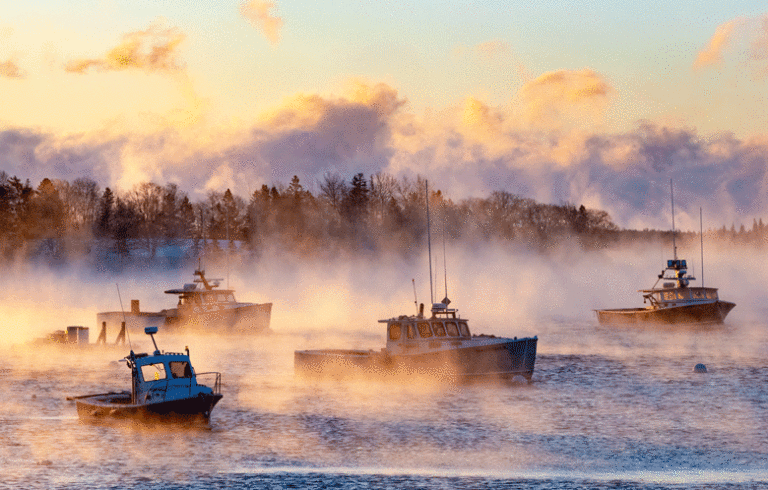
<point>119,407</point>
<point>503,359</point>
<point>705,313</point>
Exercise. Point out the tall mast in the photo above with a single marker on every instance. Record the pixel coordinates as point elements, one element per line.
<point>672,194</point>
<point>701,235</point>
<point>429,245</point>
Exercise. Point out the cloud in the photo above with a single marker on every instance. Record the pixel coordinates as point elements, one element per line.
<point>10,69</point>
<point>257,12</point>
<point>153,49</point>
<point>555,97</point>
<point>747,37</point>
<point>712,54</point>
<point>474,150</point>
<point>759,47</point>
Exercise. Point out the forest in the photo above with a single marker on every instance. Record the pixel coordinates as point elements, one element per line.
<point>58,220</point>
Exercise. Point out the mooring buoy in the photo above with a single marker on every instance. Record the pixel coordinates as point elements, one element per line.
<point>700,368</point>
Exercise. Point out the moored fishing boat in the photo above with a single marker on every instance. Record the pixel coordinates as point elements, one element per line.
<point>440,346</point>
<point>202,307</point>
<point>164,387</point>
<point>675,301</point>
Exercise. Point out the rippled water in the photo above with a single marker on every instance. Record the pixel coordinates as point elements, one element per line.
<point>608,408</point>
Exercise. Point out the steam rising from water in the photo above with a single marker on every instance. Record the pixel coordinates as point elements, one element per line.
<point>615,400</point>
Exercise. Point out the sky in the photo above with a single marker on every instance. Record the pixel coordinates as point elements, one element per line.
<point>596,103</point>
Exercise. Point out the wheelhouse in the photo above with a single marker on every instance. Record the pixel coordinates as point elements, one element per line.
<point>164,376</point>
<point>675,296</point>
<point>443,325</point>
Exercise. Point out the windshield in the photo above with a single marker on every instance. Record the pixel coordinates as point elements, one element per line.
<point>153,372</point>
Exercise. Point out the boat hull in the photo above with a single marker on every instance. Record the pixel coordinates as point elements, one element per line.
<point>501,358</point>
<point>118,406</point>
<point>242,319</point>
<point>705,313</point>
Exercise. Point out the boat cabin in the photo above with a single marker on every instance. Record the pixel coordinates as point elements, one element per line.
<point>412,331</point>
<point>678,296</point>
<point>164,376</point>
<point>202,295</point>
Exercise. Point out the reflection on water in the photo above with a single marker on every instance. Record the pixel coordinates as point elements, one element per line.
<point>607,408</point>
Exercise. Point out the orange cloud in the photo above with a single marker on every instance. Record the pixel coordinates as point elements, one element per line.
<point>554,97</point>
<point>10,69</point>
<point>713,53</point>
<point>151,50</point>
<point>257,13</point>
<point>760,43</point>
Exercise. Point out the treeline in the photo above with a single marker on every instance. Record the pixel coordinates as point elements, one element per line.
<point>378,213</point>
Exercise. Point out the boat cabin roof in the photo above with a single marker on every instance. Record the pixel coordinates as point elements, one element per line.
<point>692,288</point>
<point>144,358</point>
<point>192,290</point>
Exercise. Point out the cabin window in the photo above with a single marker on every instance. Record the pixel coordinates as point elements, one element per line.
<point>411,333</point>
<point>230,298</point>
<point>452,329</point>
<point>711,294</point>
<point>424,330</point>
<point>698,294</point>
<point>669,296</point>
<point>153,372</point>
<point>464,329</point>
<point>394,331</point>
<point>180,369</point>
<point>439,329</point>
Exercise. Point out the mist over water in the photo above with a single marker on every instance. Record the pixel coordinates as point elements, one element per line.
<point>606,405</point>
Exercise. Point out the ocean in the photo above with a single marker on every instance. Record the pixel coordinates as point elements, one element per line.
<point>607,407</point>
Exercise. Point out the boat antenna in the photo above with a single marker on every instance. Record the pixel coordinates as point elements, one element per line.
<point>701,236</point>
<point>227,210</point>
<point>125,322</point>
<point>672,194</point>
<point>445,266</point>
<point>429,246</point>
<point>415,299</point>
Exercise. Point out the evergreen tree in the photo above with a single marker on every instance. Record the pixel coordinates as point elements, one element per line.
<point>103,227</point>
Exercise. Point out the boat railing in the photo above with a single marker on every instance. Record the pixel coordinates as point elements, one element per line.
<point>216,377</point>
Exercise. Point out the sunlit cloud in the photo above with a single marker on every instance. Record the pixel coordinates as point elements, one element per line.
<point>759,46</point>
<point>257,12</point>
<point>153,49</point>
<point>471,150</point>
<point>712,54</point>
<point>746,37</point>
<point>9,69</point>
<point>557,96</point>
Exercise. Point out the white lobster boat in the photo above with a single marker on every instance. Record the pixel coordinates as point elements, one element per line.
<point>164,387</point>
<point>202,307</point>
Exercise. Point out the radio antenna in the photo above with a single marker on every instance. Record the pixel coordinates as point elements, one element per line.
<point>672,194</point>
<point>701,235</point>
<point>429,246</point>
<point>445,266</point>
